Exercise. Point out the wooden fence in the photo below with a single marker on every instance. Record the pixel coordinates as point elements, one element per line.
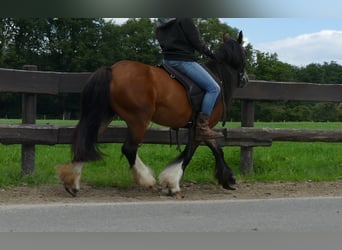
<point>31,83</point>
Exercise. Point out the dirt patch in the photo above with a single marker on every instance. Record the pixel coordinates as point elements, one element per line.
<point>245,190</point>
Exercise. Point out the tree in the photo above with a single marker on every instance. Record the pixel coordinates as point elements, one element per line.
<point>26,41</point>
<point>139,41</point>
<point>73,43</point>
<point>324,111</point>
<point>311,73</point>
<point>3,40</point>
<point>212,31</point>
<point>332,73</point>
<point>266,66</point>
<point>300,112</point>
<point>109,49</point>
<point>60,44</point>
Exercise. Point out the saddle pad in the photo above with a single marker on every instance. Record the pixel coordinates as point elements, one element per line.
<point>195,94</point>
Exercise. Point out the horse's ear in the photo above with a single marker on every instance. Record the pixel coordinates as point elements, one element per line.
<point>240,37</point>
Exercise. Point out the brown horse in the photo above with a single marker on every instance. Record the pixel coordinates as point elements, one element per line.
<point>138,94</point>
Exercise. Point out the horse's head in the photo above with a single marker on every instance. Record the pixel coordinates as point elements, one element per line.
<point>233,54</point>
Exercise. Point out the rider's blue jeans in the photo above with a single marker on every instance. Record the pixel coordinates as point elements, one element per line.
<point>202,78</point>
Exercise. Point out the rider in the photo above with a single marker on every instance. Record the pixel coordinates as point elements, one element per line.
<point>179,38</point>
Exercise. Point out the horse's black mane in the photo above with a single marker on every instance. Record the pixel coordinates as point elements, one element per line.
<point>226,73</point>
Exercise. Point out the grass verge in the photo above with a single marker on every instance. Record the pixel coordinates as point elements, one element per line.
<point>284,161</point>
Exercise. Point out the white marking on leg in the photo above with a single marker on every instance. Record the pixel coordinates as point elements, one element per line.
<point>70,174</point>
<point>142,174</point>
<point>77,169</point>
<point>171,177</point>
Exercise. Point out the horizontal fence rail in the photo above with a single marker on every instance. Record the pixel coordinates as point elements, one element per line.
<point>44,82</point>
<point>244,136</point>
<point>290,91</point>
<point>32,82</point>
<point>41,82</point>
<point>51,135</point>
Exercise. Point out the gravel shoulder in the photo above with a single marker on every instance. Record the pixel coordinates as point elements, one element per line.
<point>190,191</point>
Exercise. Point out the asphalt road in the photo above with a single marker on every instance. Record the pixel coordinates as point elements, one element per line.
<point>273,215</point>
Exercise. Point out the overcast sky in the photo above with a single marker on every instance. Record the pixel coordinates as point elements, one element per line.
<point>297,41</point>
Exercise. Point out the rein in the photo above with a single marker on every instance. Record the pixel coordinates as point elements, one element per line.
<point>223,93</point>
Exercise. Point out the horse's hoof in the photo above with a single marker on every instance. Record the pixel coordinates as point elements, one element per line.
<point>72,192</point>
<point>229,186</point>
<point>176,194</point>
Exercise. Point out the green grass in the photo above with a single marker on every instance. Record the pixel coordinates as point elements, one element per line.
<point>286,161</point>
<point>298,161</point>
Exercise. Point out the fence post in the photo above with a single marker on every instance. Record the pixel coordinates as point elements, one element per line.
<point>29,112</point>
<point>247,120</point>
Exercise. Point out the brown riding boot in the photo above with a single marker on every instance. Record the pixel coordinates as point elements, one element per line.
<point>203,132</point>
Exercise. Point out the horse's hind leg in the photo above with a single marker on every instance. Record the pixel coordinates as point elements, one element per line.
<point>70,173</point>
<point>142,174</point>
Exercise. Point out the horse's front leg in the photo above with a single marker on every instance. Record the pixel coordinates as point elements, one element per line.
<point>223,172</point>
<point>142,174</point>
<point>171,176</point>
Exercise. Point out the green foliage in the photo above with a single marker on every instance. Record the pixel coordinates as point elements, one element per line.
<point>324,112</point>
<point>266,66</point>
<point>212,31</point>
<point>10,105</point>
<point>75,44</point>
<point>72,44</point>
<point>140,42</point>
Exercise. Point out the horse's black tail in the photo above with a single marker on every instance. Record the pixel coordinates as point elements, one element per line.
<point>95,111</point>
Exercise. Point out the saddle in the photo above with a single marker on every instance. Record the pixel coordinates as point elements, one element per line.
<point>194,93</point>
